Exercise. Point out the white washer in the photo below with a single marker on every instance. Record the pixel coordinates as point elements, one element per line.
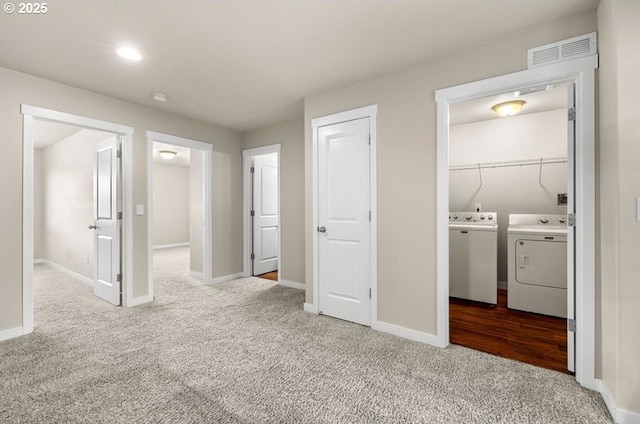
<point>537,263</point>
<point>473,256</point>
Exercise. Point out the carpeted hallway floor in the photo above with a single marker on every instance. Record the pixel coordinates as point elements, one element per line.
<point>244,351</point>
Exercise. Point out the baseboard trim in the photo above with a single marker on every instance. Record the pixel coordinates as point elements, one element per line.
<point>12,333</point>
<point>140,300</point>
<point>38,261</point>
<point>311,308</point>
<point>407,333</point>
<point>171,245</point>
<point>291,284</point>
<point>620,416</point>
<point>502,285</point>
<point>198,275</point>
<point>79,277</point>
<point>225,278</point>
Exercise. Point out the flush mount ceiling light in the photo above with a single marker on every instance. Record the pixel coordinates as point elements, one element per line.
<point>509,108</point>
<point>159,97</point>
<point>167,154</point>
<point>129,53</point>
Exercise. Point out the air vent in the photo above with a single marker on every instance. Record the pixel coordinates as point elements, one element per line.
<point>572,48</point>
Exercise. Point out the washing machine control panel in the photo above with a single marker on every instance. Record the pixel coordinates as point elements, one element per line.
<point>474,217</point>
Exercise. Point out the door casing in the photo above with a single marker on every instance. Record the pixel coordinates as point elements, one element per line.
<point>581,72</point>
<point>350,115</point>
<point>124,133</point>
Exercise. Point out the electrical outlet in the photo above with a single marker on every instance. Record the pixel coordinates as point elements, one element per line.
<point>478,207</point>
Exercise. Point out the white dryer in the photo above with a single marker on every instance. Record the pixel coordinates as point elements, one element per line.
<point>537,263</point>
<point>473,256</point>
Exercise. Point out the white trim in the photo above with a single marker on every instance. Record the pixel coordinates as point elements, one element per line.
<point>12,333</point>
<point>127,221</point>
<point>69,273</point>
<point>29,114</point>
<point>225,278</point>
<point>140,300</point>
<point>310,308</point>
<point>39,261</point>
<point>247,155</point>
<point>370,112</point>
<point>198,275</point>
<point>581,71</point>
<point>407,333</point>
<point>291,284</point>
<point>207,195</point>
<point>171,245</point>
<point>619,415</point>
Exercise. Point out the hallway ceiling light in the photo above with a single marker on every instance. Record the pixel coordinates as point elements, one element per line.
<point>129,53</point>
<point>167,154</point>
<point>509,108</point>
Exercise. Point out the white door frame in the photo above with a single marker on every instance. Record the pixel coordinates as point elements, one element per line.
<point>582,73</point>
<point>124,133</point>
<point>336,118</point>
<point>247,156</point>
<point>207,238</point>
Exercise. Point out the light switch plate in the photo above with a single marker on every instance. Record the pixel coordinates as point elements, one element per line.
<point>139,210</point>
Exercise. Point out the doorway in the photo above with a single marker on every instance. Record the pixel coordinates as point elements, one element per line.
<point>117,275</point>
<point>503,171</point>
<point>581,73</point>
<point>262,206</point>
<point>180,228</point>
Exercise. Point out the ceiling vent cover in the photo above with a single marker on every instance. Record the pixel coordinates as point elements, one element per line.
<point>562,51</point>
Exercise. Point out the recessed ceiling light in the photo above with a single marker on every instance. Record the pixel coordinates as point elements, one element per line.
<point>129,53</point>
<point>159,97</point>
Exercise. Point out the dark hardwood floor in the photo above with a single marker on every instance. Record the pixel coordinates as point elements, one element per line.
<point>273,275</point>
<point>532,338</point>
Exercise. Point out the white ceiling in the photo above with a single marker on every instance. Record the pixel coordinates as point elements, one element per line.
<point>246,64</point>
<point>183,157</point>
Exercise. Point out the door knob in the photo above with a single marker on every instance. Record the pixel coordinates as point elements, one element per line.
<point>93,227</point>
<point>322,229</point>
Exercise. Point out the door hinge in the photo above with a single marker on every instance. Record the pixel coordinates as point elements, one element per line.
<point>369,216</point>
<point>119,215</point>
<point>119,154</point>
<point>571,220</point>
<point>369,139</point>
<point>369,293</point>
<point>571,325</point>
<point>253,256</point>
<point>119,278</point>
<point>253,213</point>
<point>572,114</point>
<point>253,169</point>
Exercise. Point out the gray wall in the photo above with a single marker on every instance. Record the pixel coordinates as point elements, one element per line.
<point>406,126</point>
<point>170,204</point>
<point>18,88</point>
<point>619,236</point>
<point>196,219</point>
<point>507,190</point>
<point>291,137</point>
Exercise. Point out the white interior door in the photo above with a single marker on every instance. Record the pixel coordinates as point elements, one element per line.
<point>571,233</point>
<point>265,214</point>
<point>344,238</point>
<point>106,226</point>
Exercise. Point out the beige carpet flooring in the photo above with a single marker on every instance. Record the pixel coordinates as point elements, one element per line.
<point>245,352</point>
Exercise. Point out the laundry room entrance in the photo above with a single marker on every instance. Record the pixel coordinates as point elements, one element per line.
<point>510,182</point>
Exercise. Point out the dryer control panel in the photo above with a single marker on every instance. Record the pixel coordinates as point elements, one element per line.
<point>489,218</point>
